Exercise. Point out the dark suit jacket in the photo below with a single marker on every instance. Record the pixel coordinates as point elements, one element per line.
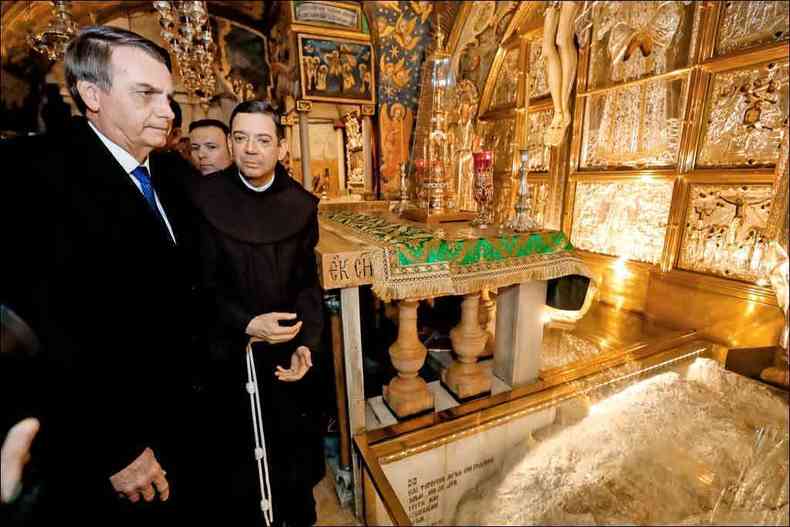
<point>94,273</point>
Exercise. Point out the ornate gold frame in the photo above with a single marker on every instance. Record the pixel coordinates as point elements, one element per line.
<point>327,25</point>
<point>371,100</point>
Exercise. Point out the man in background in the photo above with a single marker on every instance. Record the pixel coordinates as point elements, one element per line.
<point>209,139</point>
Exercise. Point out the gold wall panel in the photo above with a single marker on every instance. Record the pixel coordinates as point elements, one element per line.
<point>539,191</point>
<point>482,34</point>
<point>746,116</point>
<point>747,24</point>
<point>499,136</point>
<point>631,40</point>
<point>635,126</point>
<point>538,85</point>
<point>506,87</point>
<point>725,230</point>
<point>625,219</point>
<point>538,151</point>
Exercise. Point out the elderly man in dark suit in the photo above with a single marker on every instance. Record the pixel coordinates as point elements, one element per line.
<point>100,230</point>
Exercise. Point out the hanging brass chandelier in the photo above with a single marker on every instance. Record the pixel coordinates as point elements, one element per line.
<point>186,31</point>
<point>53,40</point>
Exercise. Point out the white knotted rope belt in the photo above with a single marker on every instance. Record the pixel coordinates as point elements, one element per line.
<point>260,440</point>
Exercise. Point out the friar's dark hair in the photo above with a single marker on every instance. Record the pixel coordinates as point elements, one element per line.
<point>263,107</point>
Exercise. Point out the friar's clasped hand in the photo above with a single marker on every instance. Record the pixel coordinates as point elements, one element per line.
<point>267,327</point>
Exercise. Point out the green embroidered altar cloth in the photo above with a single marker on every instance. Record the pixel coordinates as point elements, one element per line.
<point>414,260</point>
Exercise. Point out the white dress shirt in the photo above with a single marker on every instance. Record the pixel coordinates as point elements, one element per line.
<point>129,163</point>
<point>257,189</point>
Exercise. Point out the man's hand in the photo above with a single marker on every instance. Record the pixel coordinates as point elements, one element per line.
<point>267,327</point>
<point>14,455</point>
<point>301,361</point>
<point>140,478</point>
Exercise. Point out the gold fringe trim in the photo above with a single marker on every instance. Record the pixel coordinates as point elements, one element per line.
<point>433,284</point>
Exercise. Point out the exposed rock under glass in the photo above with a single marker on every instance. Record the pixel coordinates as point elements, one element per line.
<point>705,446</point>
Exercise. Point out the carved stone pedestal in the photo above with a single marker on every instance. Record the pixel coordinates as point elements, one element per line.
<point>407,394</point>
<point>465,377</point>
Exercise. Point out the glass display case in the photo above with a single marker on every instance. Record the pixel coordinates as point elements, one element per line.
<point>668,437</point>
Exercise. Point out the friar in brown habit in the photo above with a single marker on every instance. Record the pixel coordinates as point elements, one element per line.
<point>258,236</point>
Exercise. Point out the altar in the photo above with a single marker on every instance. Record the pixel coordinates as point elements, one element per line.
<point>404,262</point>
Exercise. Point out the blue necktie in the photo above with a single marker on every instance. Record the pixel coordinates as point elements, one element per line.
<point>141,174</point>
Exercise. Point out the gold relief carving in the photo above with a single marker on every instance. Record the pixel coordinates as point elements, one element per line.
<point>725,230</point>
<point>779,220</point>
<point>355,158</point>
<point>462,138</point>
<point>506,88</point>
<point>538,122</point>
<point>622,219</point>
<point>498,136</point>
<point>539,192</point>
<point>747,24</point>
<point>504,197</point>
<point>746,116</point>
<point>635,126</point>
<point>632,40</point>
<point>538,84</point>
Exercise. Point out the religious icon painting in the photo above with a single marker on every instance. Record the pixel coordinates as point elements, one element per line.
<point>336,70</point>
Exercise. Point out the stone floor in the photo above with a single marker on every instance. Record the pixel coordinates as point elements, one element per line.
<point>329,510</point>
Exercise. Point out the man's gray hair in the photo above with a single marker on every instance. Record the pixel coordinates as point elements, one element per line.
<point>88,56</point>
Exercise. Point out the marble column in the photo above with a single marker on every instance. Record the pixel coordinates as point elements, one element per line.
<point>519,332</point>
<point>341,155</point>
<point>367,150</point>
<point>304,145</point>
